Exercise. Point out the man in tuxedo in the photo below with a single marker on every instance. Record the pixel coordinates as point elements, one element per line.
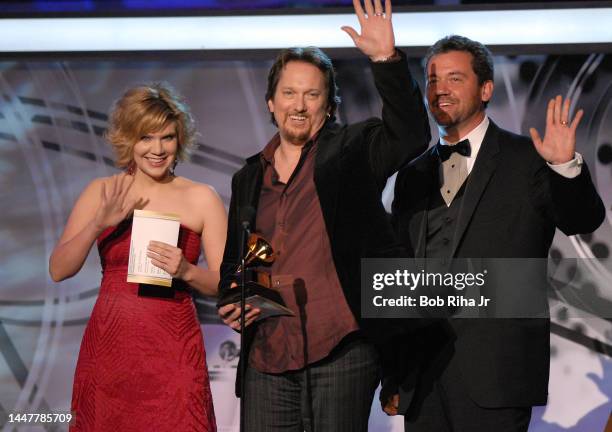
<point>316,189</point>
<point>483,192</point>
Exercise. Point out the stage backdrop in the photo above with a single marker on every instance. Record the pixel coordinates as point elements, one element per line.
<point>52,118</point>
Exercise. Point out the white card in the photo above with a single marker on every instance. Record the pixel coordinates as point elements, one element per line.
<point>147,226</point>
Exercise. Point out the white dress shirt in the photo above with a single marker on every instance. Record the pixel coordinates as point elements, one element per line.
<point>568,169</point>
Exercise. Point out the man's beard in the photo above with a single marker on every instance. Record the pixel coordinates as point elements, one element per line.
<point>442,118</point>
<point>295,135</point>
<point>295,138</point>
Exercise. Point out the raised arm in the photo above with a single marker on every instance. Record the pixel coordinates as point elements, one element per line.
<point>575,206</point>
<point>404,133</point>
<point>376,40</point>
<point>559,143</point>
<point>101,205</point>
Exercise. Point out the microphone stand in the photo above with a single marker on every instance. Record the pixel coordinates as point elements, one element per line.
<point>243,356</point>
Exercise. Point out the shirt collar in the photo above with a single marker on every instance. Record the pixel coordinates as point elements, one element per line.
<point>476,136</point>
<point>267,154</point>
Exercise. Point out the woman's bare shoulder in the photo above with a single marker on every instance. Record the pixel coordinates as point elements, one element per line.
<point>197,189</point>
<point>94,186</point>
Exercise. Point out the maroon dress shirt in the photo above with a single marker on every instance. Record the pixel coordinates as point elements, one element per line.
<point>289,216</point>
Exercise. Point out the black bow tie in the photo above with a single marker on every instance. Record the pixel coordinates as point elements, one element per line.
<point>445,151</point>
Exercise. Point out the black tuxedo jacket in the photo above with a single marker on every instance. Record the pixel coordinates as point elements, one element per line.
<point>352,165</point>
<point>512,204</point>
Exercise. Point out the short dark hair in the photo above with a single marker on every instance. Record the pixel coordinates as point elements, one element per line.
<point>482,59</point>
<point>314,56</point>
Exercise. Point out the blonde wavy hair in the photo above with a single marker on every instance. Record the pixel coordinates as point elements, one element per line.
<point>146,109</point>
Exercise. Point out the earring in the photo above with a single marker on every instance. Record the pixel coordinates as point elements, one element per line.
<point>173,168</point>
<point>131,168</point>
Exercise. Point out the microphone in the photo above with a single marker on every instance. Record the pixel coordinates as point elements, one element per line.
<point>246,214</point>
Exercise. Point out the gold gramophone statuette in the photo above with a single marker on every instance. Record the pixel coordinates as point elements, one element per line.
<point>258,252</point>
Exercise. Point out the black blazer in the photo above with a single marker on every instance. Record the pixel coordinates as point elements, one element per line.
<point>512,204</point>
<point>352,165</point>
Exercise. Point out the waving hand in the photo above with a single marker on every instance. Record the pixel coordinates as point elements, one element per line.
<point>376,39</point>
<point>559,143</point>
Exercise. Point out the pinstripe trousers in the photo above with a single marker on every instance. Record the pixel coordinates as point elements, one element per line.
<point>331,395</point>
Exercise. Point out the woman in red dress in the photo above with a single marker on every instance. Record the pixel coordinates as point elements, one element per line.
<point>142,364</point>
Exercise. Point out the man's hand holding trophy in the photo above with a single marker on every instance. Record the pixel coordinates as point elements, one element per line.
<point>261,301</point>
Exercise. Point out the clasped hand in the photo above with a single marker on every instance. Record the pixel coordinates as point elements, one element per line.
<point>230,315</point>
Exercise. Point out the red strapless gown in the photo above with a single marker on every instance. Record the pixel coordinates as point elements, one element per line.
<point>142,365</point>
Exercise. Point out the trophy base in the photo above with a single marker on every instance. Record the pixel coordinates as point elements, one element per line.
<point>257,296</point>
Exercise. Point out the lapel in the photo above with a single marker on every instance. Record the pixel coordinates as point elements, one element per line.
<point>327,173</point>
<point>251,186</point>
<point>427,167</point>
<point>484,167</point>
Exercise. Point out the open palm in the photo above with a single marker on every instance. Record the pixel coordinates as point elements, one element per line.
<point>376,40</point>
<point>559,143</point>
<point>114,206</point>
